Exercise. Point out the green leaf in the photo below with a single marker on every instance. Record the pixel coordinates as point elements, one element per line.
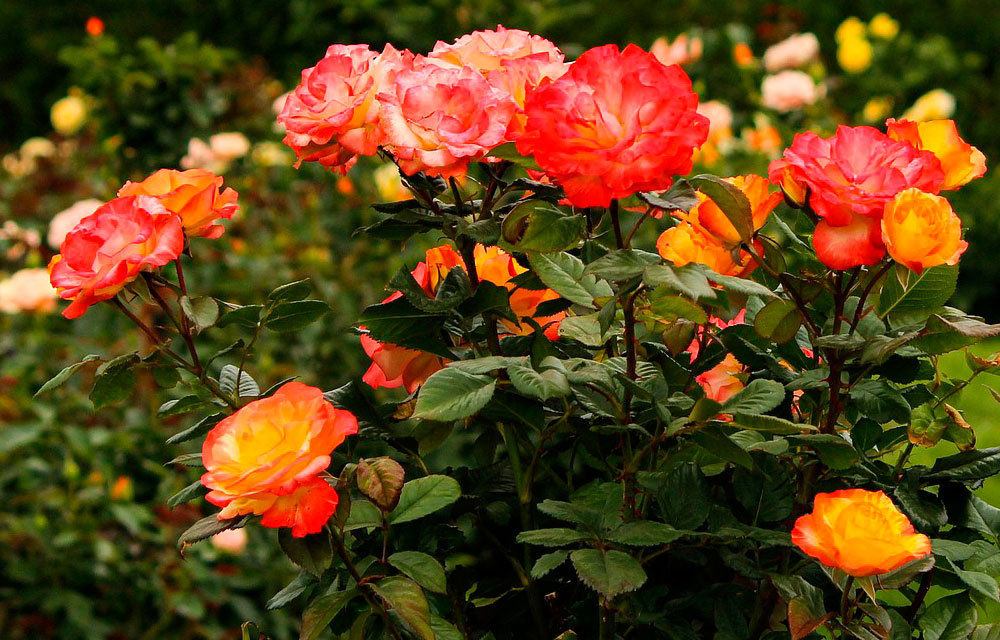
<point>424,496</point>
<point>422,569</point>
<point>364,515</point>
<point>950,618</point>
<point>645,534</point>
<point>730,200</point>
<point>966,466</point>
<point>555,537</point>
<point>683,498</point>
<point>778,321</point>
<point>231,375</point>
<point>444,630</point>
<point>535,225</point>
<point>769,424</point>
<point>716,442</point>
<point>60,378</point>
<point>766,494</point>
<point>549,382</point>
<point>622,264</point>
<point>546,563</point>
<point>298,290</point>
<point>687,280</point>
<point>406,600</point>
<point>967,510</point>
<point>508,151</point>
<point>201,428</point>
<point>923,508</point>
<point>381,481</point>
<point>292,590</point>
<point>905,292</point>
<point>312,552</point>
<point>489,298</point>
<point>454,289</point>
<point>399,322</point>
<point>186,494</point>
<point>180,406</point>
<point>679,197</point>
<point>664,304</point>
<point>486,364</point>
<point>806,611</point>
<point>203,312</point>
<point>115,381</point>
<point>610,573</point>
<point>833,451</point>
<point>317,616</point>
<point>970,327</point>
<point>453,394</point>
<point>760,396</point>
<point>247,316</point>
<point>292,316</point>
<point>881,402</point>
<point>743,286</point>
<point>564,274</point>
<point>208,527</point>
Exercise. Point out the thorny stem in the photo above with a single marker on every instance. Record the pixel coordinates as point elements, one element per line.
<point>897,470</point>
<point>642,219</point>
<point>459,203</point>
<point>925,586</point>
<point>182,328</point>
<point>845,600</point>
<point>616,224</point>
<point>859,312</point>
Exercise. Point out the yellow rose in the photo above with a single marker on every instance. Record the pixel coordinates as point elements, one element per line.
<point>920,230</point>
<point>876,109</point>
<point>854,54</point>
<point>883,26</point>
<point>933,105</point>
<point>68,114</point>
<point>850,29</point>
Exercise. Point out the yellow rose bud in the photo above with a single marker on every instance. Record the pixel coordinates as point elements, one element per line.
<point>850,29</point>
<point>876,109</point>
<point>933,105</point>
<point>854,55</point>
<point>920,230</point>
<point>883,26</point>
<point>68,114</point>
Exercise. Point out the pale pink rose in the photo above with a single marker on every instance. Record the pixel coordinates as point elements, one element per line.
<point>488,50</point>
<point>332,116</point>
<point>796,51</point>
<point>788,90</point>
<point>200,156</point>
<point>438,119</point>
<point>229,145</point>
<point>720,119</point>
<point>230,541</point>
<point>681,51</point>
<point>28,290</point>
<point>64,221</point>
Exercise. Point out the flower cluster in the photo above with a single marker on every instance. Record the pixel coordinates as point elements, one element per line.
<point>395,366</point>
<point>609,124</point>
<point>874,191</point>
<point>142,229</point>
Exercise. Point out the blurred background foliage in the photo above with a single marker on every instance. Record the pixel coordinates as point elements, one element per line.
<point>86,536</point>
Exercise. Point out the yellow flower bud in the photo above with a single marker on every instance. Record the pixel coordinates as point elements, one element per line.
<point>854,55</point>
<point>68,114</point>
<point>850,29</point>
<point>883,26</point>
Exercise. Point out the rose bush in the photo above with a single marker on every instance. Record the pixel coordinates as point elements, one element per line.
<point>596,440</point>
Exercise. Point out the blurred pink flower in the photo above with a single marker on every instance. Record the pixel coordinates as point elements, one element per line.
<point>720,120</point>
<point>230,541</point>
<point>796,51</point>
<point>28,290</point>
<point>788,90</point>
<point>64,221</point>
<point>681,51</point>
<point>217,154</point>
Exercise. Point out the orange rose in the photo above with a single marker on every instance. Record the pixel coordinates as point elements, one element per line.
<point>921,230</point>
<point>859,532</point>
<point>395,366</point>
<point>495,265</point>
<point>722,381</point>
<point>960,161</point>
<point>193,195</point>
<point>762,203</point>
<point>264,459</point>
<point>689,242</point>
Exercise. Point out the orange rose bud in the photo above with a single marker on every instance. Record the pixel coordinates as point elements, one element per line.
<point>762,204</point>
<point>95,26</point>
<point>265,459</point>
<point>689,242</point>
<point>722,381</point>
<point>859,532</point>
<point>795,192</point>
<point>921,230</point>
<point>192,195</point>
<point>960,161</point>
<point>742,54</point>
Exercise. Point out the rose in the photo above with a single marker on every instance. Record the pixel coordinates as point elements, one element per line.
<point>230,541</point>
<point>854,54</point>
<point>27,290</point>
<point>921,230</point>
<point>795,51</point>
<point>68,114</point>
<point>936,104</point>
<point>859,532</point>
<point>720,120</point>
<point>438,118</point>
<point>762,203</point>
<point>616,123</point>
<point>722,381</point>
<point>109,248</point>
<point>850,245</point>
<point>332,116</point>
<point>681,51</point>
<point>788,90</point>
<point>488,50</point>
<point>883,26</point>
<point>192,195</point>
<point>960,161</point>
<point>64,221</point>
<point>688,241</point>
<point>856,171</point>
<point>495,265</point>
<point>264,459</point>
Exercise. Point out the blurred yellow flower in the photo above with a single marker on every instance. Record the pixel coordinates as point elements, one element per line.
<point>389,185</point>
<point>850,29</point>
<point>883,26</point>
<point>933,105</point>
<point>38,148</point>
<point>272,154</point>
<point>854,55</point>
<point>68,114</point>
<point>877,109</point>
